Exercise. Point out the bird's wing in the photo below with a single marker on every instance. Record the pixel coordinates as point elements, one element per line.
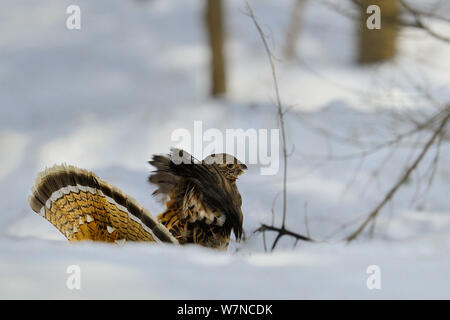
<point>217,193</point>
<point>83,207</point>
<point>191,220</point>
<point>163,176</point>
<point>194,209</point>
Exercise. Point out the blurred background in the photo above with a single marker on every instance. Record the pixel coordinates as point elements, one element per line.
<point>367,131</point>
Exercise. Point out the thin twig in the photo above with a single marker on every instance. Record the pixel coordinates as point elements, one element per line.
<point>418,21</point>
<point>279,106</point>
<point>282,232</point>
<point>264,241</point>
<point>416,14</point>
<point>306,220</point>
<point>372,216</point>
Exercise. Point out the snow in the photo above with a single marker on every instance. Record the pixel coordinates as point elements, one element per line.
<point>108,96</point>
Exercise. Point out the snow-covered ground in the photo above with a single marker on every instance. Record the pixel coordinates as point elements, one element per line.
<point>108,96</point>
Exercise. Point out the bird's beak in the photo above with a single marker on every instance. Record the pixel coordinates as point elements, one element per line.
<point>242,167</point>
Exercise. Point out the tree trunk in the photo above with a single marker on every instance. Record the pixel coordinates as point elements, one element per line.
<point>215,27</point>
<point>378,45</point>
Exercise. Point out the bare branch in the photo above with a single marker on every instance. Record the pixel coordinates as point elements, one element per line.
<point>282,232</point>
<point>372,216</point>
<point>417,15</point>
<point>279,106</point>
<point>418,21</point>
<point>281,112</point>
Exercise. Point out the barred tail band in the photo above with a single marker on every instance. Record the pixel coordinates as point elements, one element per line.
<point>83,207</point>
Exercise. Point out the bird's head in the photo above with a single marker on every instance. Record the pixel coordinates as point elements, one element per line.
<point>228,165</point>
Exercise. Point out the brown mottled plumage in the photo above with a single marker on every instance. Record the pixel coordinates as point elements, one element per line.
<point>204,203</point>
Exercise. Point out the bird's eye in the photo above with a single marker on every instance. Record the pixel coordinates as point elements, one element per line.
<point>229,166</point>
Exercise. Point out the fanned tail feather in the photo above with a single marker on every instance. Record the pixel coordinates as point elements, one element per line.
<point>83,207</point>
